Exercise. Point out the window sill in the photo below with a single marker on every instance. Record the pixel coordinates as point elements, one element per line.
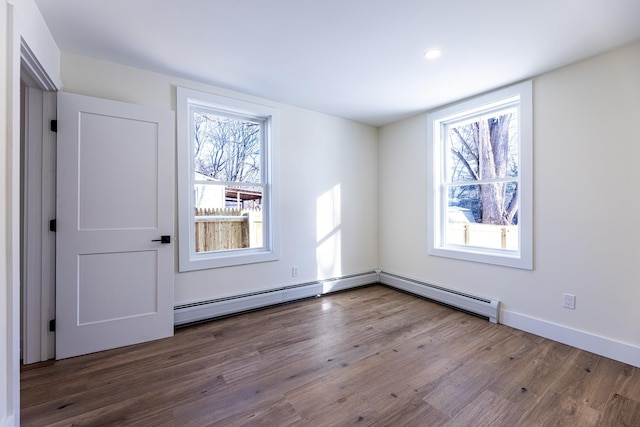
<point>222,259</point>
<point>503,258</point>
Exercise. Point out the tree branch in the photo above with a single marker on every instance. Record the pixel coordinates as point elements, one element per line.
<point>465,143</point>
<point>465,163</point>
<point>511,211</point>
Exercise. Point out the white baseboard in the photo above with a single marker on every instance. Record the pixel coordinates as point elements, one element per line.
<point>204,310</point>
<point>616,350</point>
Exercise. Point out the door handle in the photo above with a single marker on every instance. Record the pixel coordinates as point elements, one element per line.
<point>163,239</point>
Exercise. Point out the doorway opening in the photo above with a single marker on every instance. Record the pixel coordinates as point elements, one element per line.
<point>38,207</point>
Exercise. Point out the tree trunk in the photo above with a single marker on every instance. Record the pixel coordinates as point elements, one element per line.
<point>489,193</point>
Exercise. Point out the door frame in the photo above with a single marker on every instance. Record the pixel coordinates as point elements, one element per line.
<point>38,195</point>
<point>37,181</point>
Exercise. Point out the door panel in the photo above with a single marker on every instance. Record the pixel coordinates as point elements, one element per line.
<point>114,283</point>
<point>106,277</point>
<point>132,145</point>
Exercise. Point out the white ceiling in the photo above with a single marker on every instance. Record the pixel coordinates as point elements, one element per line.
<point>359,59</point>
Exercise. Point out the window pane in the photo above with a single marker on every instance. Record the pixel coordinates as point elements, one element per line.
<point>463,153</point>
<point>226,148</point>
<point>227,218</point>
<point>228,229</point>
<point>483,215</point>
<point>483,148</point>
<point>464,203</point>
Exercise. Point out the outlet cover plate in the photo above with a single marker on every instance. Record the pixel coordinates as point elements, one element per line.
<point>569,301</point>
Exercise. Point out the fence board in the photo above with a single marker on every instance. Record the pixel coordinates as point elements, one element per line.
<point>224,229</point>
<point>483,235</point>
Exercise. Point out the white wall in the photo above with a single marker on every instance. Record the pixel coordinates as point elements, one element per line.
<point>328,184</point>
<point>7,374</point>
<point>586,209</point>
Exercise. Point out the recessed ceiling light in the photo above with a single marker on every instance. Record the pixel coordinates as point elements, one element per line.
<point>432,53</point>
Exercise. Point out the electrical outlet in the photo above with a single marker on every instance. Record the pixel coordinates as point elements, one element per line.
<point>569,301</point>
<point>294,271</point>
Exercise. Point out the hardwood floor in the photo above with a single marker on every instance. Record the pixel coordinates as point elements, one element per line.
<point>369,357</point>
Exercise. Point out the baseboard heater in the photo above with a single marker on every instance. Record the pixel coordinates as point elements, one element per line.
<point>204,310</point>
<point>484,307</point>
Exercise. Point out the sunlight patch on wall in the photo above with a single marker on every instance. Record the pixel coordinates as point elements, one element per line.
<point>328,234</point>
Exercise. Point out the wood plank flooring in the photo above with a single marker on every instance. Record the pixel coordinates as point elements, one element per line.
<point>368,357</point>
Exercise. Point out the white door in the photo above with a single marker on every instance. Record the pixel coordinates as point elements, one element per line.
<point>115,199</point>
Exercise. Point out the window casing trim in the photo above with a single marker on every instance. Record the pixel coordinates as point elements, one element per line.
<point>436,121</point>
<point>188,101</point>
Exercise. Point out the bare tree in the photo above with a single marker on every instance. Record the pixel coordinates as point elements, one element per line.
<point>227,149</point>
<point>483,150</point>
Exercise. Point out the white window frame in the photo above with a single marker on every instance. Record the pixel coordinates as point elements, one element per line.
<point>187,101</point>
<point>436,121</point>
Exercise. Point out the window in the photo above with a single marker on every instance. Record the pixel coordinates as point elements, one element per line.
<point>226,190</point>
<point>480,187</point>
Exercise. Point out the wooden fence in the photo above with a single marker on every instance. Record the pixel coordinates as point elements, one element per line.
<point>483,235</point>
<point>223,229</point>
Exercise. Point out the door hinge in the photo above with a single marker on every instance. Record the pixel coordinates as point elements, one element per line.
<point>52,325</point>
<point>54,126</point>
<point>52,225</point>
